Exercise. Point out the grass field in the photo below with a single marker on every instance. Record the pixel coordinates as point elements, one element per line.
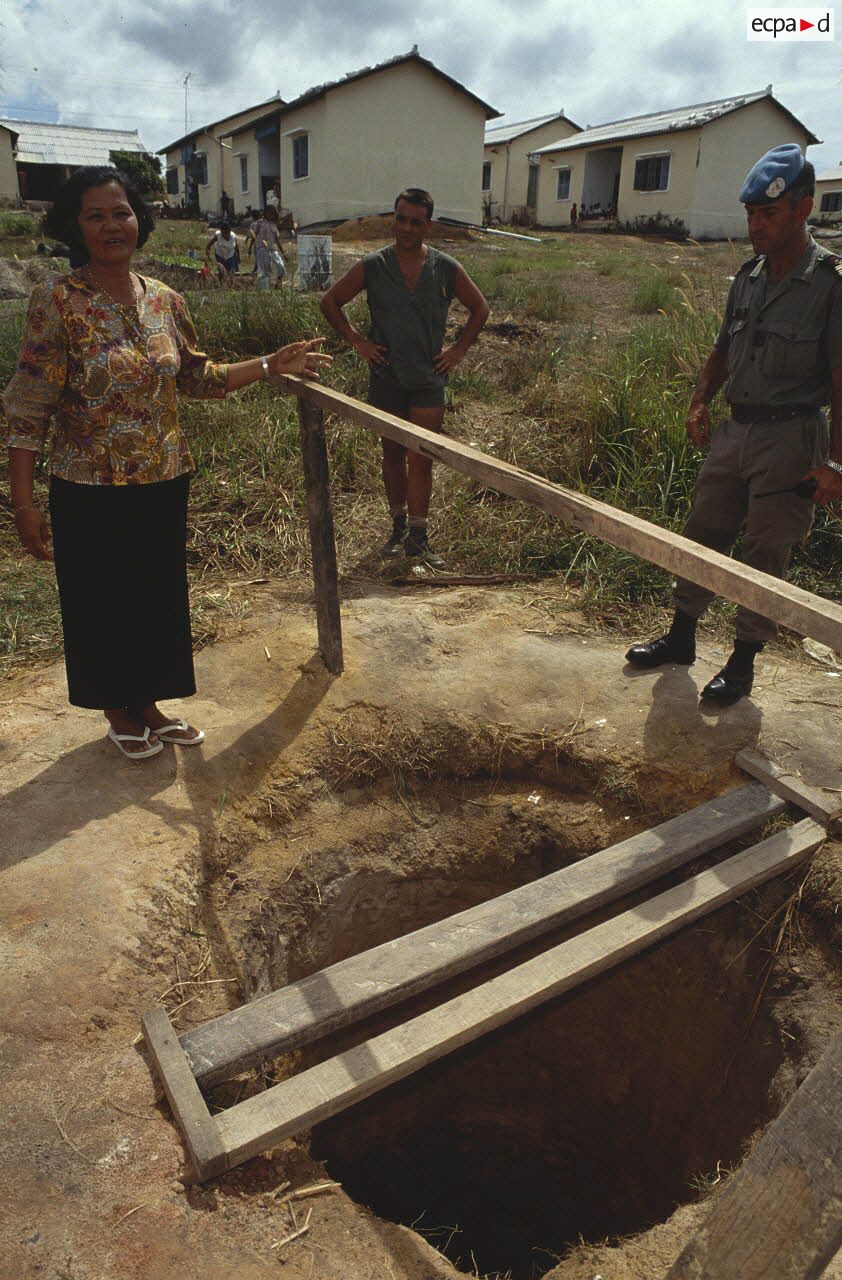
<point>583,376</point>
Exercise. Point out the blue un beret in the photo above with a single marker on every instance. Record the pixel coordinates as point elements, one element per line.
<point>773,175</point>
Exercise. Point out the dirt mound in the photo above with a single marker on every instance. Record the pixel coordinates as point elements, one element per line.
<point>19,275</point>
<point>380,228</point>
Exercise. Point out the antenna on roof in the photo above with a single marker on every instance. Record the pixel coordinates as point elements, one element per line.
<point>186,109</point>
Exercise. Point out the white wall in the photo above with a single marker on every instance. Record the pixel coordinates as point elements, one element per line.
<point>730,147</point>
<point>8,169</point>
<point>400,127</point>
<point>830,186</point>
<point>510,166</point>
<point>592,178</point>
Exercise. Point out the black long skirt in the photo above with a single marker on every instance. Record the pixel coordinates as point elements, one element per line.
<point>122,581</point>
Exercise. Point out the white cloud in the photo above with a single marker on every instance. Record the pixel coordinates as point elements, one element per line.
<point>110,65</point>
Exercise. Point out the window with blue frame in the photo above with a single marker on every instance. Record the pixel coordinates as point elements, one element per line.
<point>301,156</point>
<point>652,173</point>
<point>562,186</point>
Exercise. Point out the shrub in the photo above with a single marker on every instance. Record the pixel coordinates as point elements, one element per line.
<point>14,222</point>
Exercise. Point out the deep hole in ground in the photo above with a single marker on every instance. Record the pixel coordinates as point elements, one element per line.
<point>592,1117</point>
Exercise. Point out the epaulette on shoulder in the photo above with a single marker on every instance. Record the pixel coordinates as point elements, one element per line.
<point>833,260</point>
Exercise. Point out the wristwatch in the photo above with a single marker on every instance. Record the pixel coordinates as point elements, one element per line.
<point>834,466</point>
<point>265,364</point>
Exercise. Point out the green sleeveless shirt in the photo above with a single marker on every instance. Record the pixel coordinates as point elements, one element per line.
<point>410,323</point>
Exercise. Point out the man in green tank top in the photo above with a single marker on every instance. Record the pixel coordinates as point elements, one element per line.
<point>409,287</point>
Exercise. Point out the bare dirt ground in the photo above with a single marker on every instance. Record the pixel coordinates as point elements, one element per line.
<point>400,791</point>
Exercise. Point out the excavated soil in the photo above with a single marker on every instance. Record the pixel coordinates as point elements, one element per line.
<point>379,227</point>
<point>459,756</point>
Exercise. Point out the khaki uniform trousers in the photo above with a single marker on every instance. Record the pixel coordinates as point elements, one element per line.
<point>746,459</point>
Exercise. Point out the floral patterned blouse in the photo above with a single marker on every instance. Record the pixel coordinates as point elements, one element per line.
<point>108,376</point>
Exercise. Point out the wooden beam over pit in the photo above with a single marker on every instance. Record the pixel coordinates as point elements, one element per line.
<point>801,611</point>
<point>780,1218</point>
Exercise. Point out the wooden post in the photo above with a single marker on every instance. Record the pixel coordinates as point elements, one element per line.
<point>322,540</point>
<point>792,606</point>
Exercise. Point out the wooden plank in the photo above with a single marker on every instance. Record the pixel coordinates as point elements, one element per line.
<point>322,539</point>
<point>800,610</point>
<point>780,1217</point>
<point>790,787</point>
<point>198,1126</point>
<point>324,1090</point>
<point>376,979</point>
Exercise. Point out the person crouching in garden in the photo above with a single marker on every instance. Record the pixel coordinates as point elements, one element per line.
<point>105,353</point>
<point>226,251</point>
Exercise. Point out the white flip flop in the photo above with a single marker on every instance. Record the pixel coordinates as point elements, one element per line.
<point>167,731</point>
<point>152,748</point>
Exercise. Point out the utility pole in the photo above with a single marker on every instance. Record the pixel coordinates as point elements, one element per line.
<point>186,109</point>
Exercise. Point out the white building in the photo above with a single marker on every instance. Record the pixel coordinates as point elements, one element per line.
<point>509,178</point>
<point>828,202</point>
<point>8,172</point>
<point>204,163</point>
<point>685,166</point>
<point>348,147</point>
<point>47,154</point>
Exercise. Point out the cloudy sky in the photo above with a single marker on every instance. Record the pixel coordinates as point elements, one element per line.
<point>120,65</point>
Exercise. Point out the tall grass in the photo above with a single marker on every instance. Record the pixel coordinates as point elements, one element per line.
<point>602,414</point>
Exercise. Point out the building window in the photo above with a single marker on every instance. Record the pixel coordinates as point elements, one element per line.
<point>486,175</point>
<point>199,168</point>
<point>172,182</point>
<point>244,173</point>
<point>562,188</point>
<point>652,173</point>
<point>831,202</point>
<point>532,186</point>
<point>301,156</point>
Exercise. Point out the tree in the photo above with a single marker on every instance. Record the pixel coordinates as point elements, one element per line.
<point>142,170</point>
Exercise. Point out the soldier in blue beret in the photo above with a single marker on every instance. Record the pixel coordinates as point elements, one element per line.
<point>778,356</point>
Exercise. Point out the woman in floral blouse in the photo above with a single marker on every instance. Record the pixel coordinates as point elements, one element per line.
<point>105,353</point>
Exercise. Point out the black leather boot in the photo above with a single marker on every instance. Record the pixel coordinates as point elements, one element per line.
<point>678,645</point>
<point>736,678</point>
<point>393,547</point>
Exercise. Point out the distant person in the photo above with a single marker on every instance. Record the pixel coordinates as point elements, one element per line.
<point>106,355</point>
<point>409,286</point>
<point>264,239</point>
<point>779,355</point>
<point>226,205</point>
<point>574,216</point>
<point>226,251</point>
<point>273,197</point>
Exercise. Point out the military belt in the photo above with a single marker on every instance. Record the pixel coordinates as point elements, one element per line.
<point>771,413</point>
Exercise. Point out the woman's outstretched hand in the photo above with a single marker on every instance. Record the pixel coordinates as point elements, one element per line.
<point>301,358</point>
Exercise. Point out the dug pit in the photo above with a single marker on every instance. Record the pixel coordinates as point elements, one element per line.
<point>594,1116</point>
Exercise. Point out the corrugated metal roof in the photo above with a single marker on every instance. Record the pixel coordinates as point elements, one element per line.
<point>673,121</point>
<point>506,132</point>
<point>830,175</point>
<point>40,143</point>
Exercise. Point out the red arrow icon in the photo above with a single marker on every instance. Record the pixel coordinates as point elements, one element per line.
<point>804,24</point>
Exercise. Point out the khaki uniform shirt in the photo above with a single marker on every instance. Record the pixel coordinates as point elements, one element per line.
<point>783,339</point>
